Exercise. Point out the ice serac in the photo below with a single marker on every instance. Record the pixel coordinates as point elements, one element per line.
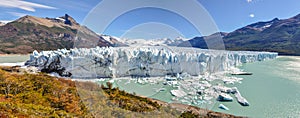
<point>141,61</point>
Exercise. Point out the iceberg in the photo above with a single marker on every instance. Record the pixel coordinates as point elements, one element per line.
<point>224,97</point>
<point>221,106</point>
<point>240,98</point>
<point>152,61</point>
<point>178,93</point>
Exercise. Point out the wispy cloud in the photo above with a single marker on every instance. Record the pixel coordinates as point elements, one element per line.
<point>251,15</point>
<point>24,5</point>
<point>5,21</point>
<point>249,1</point>
<point>17,14</point>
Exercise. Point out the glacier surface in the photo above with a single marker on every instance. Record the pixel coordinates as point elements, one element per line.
<point>152,61</point>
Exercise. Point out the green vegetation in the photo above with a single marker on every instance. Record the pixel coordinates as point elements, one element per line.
<point>189,114</point>
<point>128,101</point>
<point>40,95</point>
<point>26,95</point>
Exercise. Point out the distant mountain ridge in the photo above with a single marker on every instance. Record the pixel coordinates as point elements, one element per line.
<point>29,33</point>
<point>153,42</point>
<point>278,35</point>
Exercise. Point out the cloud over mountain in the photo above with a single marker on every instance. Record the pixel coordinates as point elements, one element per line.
<point>24,5</point>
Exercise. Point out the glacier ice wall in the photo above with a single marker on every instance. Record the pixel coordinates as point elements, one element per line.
<point>141,61</point>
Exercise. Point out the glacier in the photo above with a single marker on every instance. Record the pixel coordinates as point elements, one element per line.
<point>147,61</point>
<point>193,73</point>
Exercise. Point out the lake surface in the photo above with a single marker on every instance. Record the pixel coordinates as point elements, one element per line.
<point>273,90</point>
<point>13,58</point>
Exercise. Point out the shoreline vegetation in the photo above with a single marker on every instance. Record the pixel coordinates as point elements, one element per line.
<point>24,94</point>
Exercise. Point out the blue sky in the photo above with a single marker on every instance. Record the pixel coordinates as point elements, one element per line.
<point>149,22</point>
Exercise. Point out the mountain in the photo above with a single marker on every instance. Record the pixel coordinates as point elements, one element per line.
<point>152,42</point>
<point>279,35</point>
<point>1,23</point>
<point>201,42</point>
<point>30,33</point>
<point>114,41</point>
<point>173,42</point>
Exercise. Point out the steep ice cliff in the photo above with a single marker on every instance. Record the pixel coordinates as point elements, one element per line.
<point>141,61</point>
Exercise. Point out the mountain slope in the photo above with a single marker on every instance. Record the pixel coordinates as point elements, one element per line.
<point>30,33</point>
<point>282,36</point>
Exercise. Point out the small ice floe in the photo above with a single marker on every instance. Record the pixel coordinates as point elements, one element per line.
<point>224,97</point>
<point>192,93</point>
<point>171,81</point>
<point>174,99</point>
<point>221,106</point>
<point>160,89</point>
<point>241,73</point>
<point>232,80</point>
<point>224,89</point>
<point>207,98</point>
<point>205,84</point>
<point>183,75</point>
<point>178,93</point>
<point>240,98</point>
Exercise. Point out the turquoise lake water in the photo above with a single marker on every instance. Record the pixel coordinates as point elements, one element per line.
<point>273,90</point>
<point>13,58</point>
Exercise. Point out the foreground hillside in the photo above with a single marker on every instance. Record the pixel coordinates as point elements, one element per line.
<point>39,95</point>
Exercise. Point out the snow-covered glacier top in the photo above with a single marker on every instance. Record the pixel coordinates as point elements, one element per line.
<point>141,61</point>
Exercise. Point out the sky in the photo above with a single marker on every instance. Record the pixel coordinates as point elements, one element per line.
<point>150,19</point>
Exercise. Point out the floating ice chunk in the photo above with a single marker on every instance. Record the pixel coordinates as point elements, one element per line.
<point>221,106</point>
<point>224,97</point>
<point>240,98</point>
<point>178,93</point>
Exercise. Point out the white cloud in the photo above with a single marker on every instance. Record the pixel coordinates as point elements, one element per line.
<point>17,14</point>
<point>21,4</point>
<point>249,1</point>
<point>5,21</point>
<point>252,15</point>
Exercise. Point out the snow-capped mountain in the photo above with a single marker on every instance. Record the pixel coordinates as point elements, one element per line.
<point>143,42</point>
<point>114,41</point>
<point>260,26</point>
